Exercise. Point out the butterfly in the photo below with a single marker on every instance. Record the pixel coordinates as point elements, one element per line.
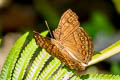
<point>71,43</point>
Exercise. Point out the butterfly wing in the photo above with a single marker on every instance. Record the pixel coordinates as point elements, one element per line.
<point>66,25</point>
<point>80,45</point>
<point>62,55</point>
<point>43,42</point>
<point>74,38</point>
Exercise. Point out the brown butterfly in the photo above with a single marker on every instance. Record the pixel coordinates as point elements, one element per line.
<point>72,44</point>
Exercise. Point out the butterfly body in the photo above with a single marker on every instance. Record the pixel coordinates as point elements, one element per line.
<point>72,44</point>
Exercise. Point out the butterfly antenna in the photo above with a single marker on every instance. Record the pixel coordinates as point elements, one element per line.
<point>48,28</point>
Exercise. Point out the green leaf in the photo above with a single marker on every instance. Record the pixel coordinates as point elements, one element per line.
<point>12,57</point>
<point>96,77</point>
<point>37,65</point>
<point>63,72</point>
<point>24,60</point>
<point>96,53</point>
<point>50,69</point>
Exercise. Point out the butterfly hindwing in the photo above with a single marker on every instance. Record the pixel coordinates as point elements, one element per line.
<point>80,45</point>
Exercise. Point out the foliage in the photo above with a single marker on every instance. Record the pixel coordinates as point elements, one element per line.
<point>43,66</point>
<point>12,58</point>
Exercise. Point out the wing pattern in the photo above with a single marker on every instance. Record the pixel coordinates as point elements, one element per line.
<point>73,37</point>
<point>66,25</point>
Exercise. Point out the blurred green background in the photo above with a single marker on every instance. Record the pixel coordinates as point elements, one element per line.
<point>100,18</point>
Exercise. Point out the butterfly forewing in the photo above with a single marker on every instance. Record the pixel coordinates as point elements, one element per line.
<point>46,43</point>
<point>68,24</point>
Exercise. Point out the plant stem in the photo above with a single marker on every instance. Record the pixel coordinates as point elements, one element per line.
<point>106,53</point>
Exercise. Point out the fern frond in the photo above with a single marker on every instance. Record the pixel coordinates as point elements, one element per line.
<point>24,60</point>
<point>37,65</point>
<point>97,77</point>
<point>60,74</point>
<point>10,61</point>
<point>63,74</point>
<point>50,69</point>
